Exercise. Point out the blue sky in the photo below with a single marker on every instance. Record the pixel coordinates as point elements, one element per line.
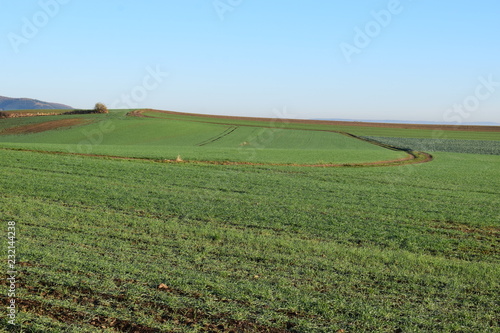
<point>416,60</point>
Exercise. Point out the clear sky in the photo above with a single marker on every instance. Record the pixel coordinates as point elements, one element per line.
<point>416,60</point>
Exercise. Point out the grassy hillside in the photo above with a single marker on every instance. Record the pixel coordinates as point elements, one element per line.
<point>305,250</point>
<point>119,135</point>
<point>121,245</point>
<point>358,130</point>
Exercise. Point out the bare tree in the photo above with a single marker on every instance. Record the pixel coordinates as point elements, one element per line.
<point>100,108</point>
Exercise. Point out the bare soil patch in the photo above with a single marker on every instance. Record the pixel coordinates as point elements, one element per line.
<point>46,126</point>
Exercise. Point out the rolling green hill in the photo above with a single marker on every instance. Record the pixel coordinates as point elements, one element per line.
<point>108,244</point>
<point>117,134</point>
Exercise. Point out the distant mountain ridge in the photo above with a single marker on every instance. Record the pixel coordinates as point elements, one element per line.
<point>10,104</point>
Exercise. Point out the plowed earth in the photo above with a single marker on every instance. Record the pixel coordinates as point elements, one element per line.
<point>45,126</point>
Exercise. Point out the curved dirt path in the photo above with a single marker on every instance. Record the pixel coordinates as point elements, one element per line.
<point>413,158</point>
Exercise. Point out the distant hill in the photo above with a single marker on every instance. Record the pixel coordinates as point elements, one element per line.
<point>9,104</point>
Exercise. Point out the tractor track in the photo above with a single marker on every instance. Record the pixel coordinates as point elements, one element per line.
<point>227,132</point>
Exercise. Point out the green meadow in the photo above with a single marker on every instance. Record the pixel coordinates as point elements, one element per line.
<point>116,134</point>
<point>106,244</point>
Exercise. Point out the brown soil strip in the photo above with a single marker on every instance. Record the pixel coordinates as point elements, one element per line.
<point>414,158</point>
<point>46,126</point>
<point>333,123</point>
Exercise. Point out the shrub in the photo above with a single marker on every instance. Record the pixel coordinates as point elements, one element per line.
<point>100,108</point>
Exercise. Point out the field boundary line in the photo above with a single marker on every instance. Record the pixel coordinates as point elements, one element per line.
<point>413,157</point>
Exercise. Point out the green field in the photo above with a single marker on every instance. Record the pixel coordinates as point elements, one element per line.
<point>116,134</point>
<point>357,130</point>
<point>444,145</point>
<point>246,248</point>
